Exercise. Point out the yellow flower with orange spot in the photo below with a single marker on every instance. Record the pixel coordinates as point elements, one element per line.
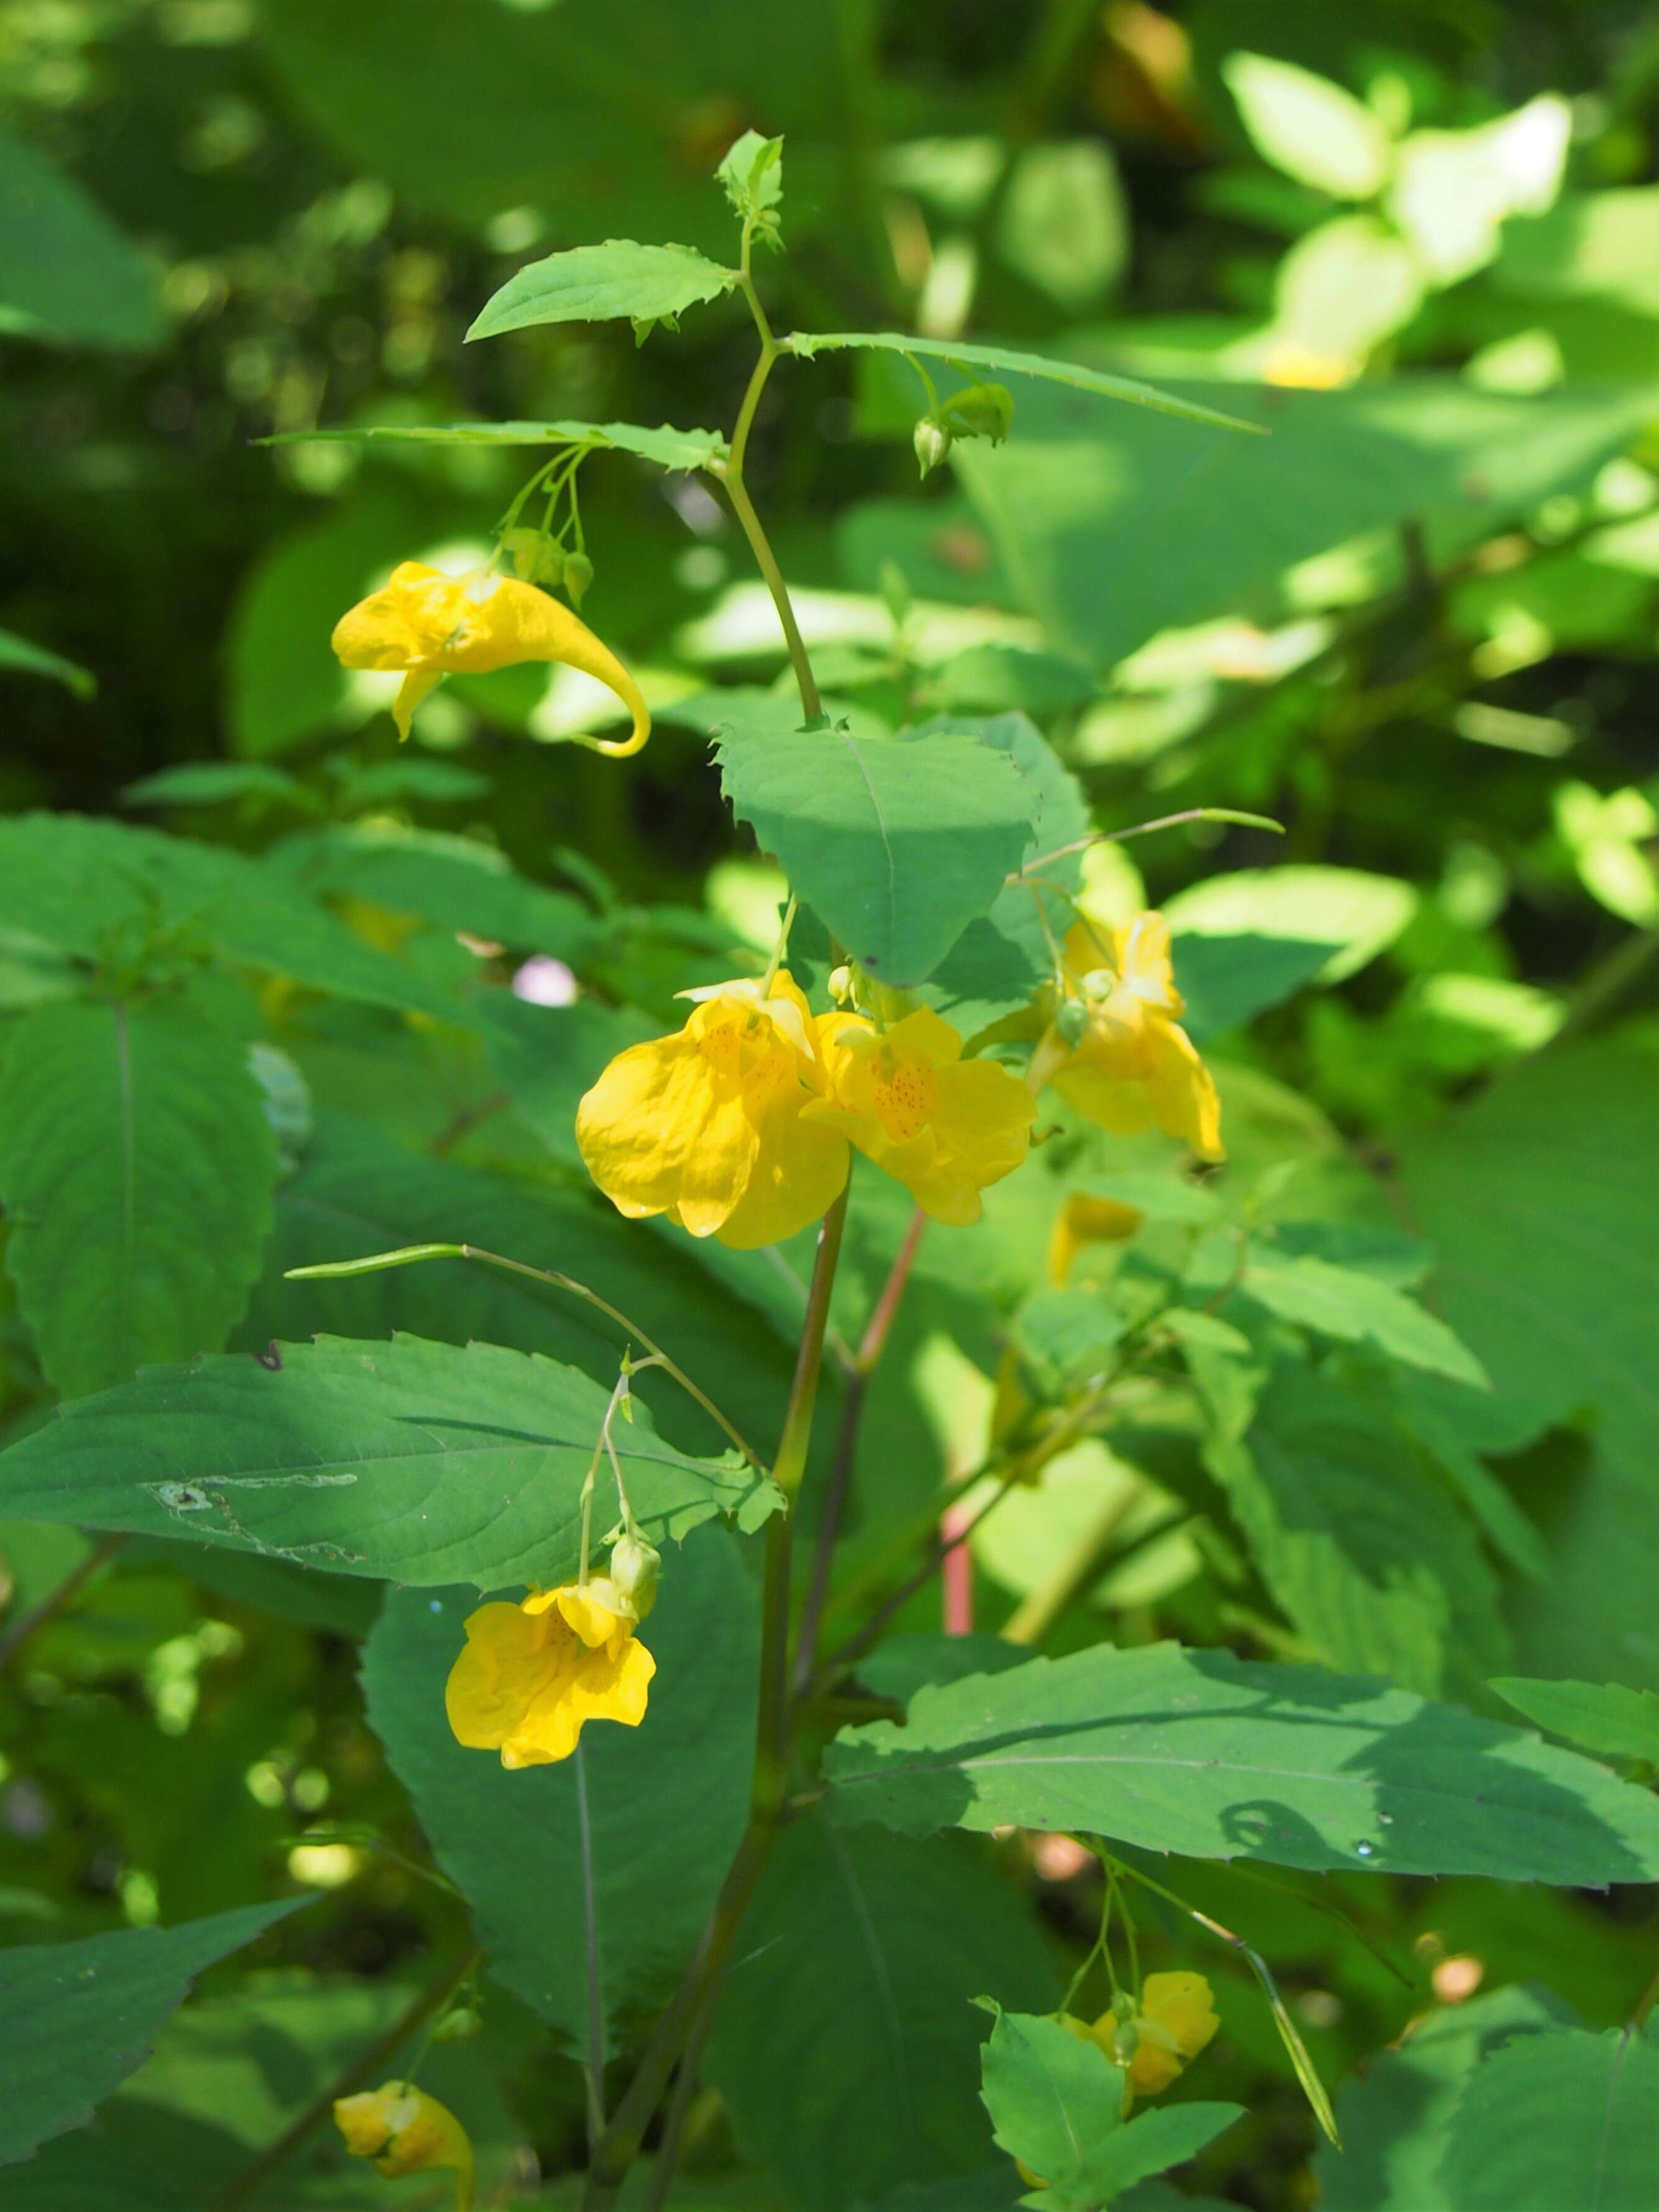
<point>530,1674</point>
<point>406,2131</point>
<point>1116,1049</point>
<point>709,1126</point>
<point>1081,1221</point>
<point>944,1126</point>
<point>431,624</point>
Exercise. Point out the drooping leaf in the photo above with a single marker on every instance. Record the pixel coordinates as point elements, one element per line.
<point>668,447</point>
<point>68,275</point>
<point>1394,2118</point>
<point>422,1463</point>
<point>1541,1202</point>
<point>87,887</point>
<point>31,660</point>
<point>1557,2119</point>
<point>1355,1307</point>
<point>136,1167</point>
<point>597,283</point>
<point>897,844</point>
<point>78,2018</point>
<point>1010,362</point>
<point>630,1837</point>
<point>216,783</point>
<point>847,2046</point>
<point>1201,1753</point>
<point>1605,1717</point>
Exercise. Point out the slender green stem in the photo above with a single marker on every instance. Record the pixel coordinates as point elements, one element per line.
<point>362,2071</point>
<point>744,507</point>
<point>780,947</point>
<point>1145,829</point>
<point>408,1255</point>
<point>619,2145</point>
<point>594,2069</point>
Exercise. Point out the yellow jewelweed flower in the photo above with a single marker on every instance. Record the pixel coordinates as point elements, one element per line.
<point>430,625</point>
<point>1174,2020</point>
<point>708,1125</point>
<point>942,1125</point>
<point>1083,1221</point>
<point>406,2131</point>
<point>532,1674</point>
<point>1127,1063</point>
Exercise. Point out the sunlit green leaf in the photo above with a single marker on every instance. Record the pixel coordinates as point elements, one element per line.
<point>598,284</point>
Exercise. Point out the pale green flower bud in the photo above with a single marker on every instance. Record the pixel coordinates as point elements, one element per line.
<point>634,1568</point>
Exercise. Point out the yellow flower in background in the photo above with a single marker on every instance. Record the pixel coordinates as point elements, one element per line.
<point>1126,1063</point>
<point>942,1125</point>
<point>431,625</point>
<point>1081,1221</point>
<point>532,1674</point>
<point>708,1125</point>
<point>406,2131</point>
<point>1174,2020</point>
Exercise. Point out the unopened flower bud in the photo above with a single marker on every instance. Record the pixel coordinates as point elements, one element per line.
<point>634,1568</point>
<point>840,984</point>
<point>524,547</point>
<point>460,2026</point>
<point>932,440</point>
<point>577,575</point>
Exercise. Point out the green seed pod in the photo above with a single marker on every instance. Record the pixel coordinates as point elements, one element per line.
<point>460,2026</point>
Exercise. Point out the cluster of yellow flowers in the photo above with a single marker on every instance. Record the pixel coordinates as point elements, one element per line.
<point>741,1125</point>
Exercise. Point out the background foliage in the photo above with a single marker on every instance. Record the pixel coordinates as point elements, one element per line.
<point>1382,1396</point>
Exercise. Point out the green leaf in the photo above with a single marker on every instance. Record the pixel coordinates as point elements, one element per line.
<point>1590,244</point>
<point>1228,981</point>
<point>1115,527</point>
<point>1394,2118</point>
<point>1199,1753</point>
<point>32,659</point>
<point>599,284</point>
<point>1063,223</point>
<point>414,1462</point>
<point>809,344</point>
<point>751,175</point>
<point>1339,1302</point>
<point>999,959</point>
<point>579,1832</point>
<point>68,275</point>
<point>217,783</point>
<point>86,887</point>
<point>357,1192</point>
<point>571,120</point>
<point>847,2047</point>
<point>1365,1552</point>
<point>1604,1717</point>
<point>231,2073</point>
<point>136,1166</point>
<point>1553,2120</point>
<point>1309,127</point>
<point>454,883</point>
<point>1541,1200</point>
<point>897,844</point>
<point>1296,909</point>
<point>78,2018</point>
<point>668,447</point>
